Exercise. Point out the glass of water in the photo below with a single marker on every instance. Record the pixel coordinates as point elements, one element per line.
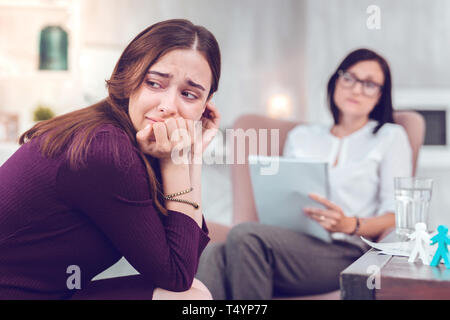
<point>412,196</point>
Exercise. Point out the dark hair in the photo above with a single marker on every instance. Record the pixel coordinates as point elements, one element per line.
<point>383,110</point>
<point>72,133</point>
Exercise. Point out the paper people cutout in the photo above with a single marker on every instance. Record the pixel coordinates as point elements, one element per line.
<point>443,240</point>
<point>421,244</point>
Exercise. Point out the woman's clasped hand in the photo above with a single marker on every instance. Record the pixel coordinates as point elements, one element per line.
<point>179,139</point>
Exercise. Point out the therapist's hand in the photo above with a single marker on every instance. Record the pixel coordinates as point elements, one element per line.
<point>332,218</point>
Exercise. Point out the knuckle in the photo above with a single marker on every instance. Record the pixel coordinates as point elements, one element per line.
<point>158,125</point>
<point>168,123</point>
<point>175,135</point>
<point>164,147</point>
<point>167,147</point>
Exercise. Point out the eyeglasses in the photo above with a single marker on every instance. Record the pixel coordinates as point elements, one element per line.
<point>348,80</point>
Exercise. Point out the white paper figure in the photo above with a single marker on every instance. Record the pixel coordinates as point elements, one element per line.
<point>422,244</point>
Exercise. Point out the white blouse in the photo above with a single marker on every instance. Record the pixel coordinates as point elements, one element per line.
<point>362,182</point>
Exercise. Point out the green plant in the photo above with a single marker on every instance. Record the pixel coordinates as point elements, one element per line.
<point>43,113</point>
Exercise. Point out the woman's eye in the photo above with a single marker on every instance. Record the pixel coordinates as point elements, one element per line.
<point>348,78</point>
<point>189,95</point>
<point>154,84</point>
<point>369,84</point>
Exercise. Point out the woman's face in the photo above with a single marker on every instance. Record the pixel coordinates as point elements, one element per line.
<point>177,85</point>
<point>355,98</point>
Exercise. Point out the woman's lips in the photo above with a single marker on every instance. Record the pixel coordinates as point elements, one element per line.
<point>153,120</point>
<point>353,101</point>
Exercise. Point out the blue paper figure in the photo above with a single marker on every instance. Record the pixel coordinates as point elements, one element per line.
<point>443,240</point>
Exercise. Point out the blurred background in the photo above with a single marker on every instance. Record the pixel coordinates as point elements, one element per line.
<point>277,56</point>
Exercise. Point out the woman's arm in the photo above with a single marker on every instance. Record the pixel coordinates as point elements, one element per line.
<point>372,227</point>
<point>176,178</point>
<point>203,133</point>
<point>397,162</point>
<point>195,172</point>
<point>160,141</point>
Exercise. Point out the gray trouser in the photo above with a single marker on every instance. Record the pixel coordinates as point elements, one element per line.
<point>259,261</point>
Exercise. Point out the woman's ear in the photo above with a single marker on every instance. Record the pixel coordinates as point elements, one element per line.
<point>206,103</point>
<point>209,99</point>
<point>206,112</point>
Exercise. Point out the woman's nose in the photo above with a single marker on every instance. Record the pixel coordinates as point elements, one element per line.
<point>357,88</point>
<point>169,105</point>
<point>167,110</point>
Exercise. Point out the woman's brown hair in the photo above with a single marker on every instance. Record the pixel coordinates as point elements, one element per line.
<point>72,133</point>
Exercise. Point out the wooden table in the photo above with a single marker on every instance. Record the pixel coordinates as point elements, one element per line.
<point>383,277</point>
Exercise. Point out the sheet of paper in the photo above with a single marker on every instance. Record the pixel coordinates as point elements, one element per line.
<point>402,249</point>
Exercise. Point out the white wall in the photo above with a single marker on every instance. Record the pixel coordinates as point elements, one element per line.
<point>414,38</point>
<point>261,41</point>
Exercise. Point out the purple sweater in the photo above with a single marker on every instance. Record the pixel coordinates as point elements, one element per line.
<point>52,217</point>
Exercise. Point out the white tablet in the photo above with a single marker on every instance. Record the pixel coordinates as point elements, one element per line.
<point>281,187</point>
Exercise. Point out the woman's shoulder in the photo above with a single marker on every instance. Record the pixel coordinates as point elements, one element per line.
<point>392,131</point>
<point>109,136</point>
<point>110,145</point>
<point>111,133</point>
<point>392,137</point>
<point>109,130</point>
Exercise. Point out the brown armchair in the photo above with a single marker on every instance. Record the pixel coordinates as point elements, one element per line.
<point>243,202</point>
